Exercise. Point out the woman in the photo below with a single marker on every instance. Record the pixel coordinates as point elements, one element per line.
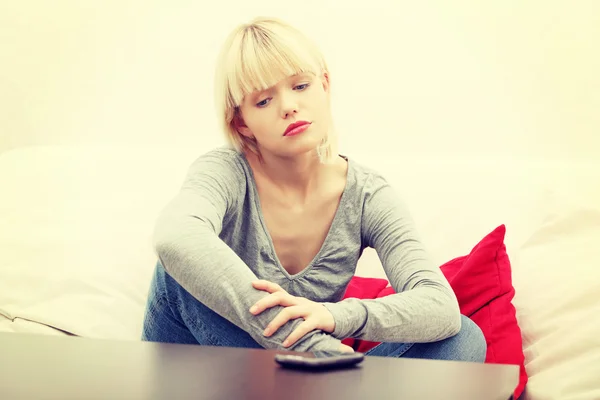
<point>258,247</point>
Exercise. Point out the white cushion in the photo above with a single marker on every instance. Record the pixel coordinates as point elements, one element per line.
<point>76,234</point>
<point>76,227</point>
<point>558,292</point>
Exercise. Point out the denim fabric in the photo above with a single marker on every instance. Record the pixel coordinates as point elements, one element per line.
<point>468,345</point>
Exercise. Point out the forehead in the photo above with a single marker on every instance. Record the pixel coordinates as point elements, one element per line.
<point>264,58</point>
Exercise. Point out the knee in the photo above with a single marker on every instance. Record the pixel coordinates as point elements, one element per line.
<point>470,344</point>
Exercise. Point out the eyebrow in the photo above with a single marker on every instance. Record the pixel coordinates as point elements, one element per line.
<point>304,75</point>
<point>254,97</point>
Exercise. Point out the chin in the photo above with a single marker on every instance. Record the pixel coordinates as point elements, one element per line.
<point>306,145</point>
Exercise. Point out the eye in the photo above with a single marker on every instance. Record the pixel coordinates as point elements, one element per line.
<point>262,103</point>
<point>302,86</point>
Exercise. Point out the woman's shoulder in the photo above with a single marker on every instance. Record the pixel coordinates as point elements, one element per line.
<point>221,154</point>
<point>366,178</point>
<point>218,162</point>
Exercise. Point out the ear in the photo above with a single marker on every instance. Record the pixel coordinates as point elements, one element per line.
<point>325,81</point>
<point>240,125</point>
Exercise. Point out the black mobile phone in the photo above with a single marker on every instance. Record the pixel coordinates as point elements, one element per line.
<point>319,360</point>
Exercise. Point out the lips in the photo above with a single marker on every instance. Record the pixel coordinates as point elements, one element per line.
<point>294,125</point>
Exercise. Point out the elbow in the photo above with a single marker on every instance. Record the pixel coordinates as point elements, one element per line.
<point>162,241</point>
<point>162,235</point>
<point>447,314</point>
<point>167,247</point>
<point>454,324</point>
<point>163,250</point>
<point>162,247</point>
<point>168,236</point>
<point>452,320</point>
<point>172,232</point>
<point>175,241</point>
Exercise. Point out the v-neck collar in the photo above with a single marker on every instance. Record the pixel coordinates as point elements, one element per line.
<point>337,216</point>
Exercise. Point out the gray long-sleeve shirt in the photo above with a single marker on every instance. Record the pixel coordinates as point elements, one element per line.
<point>212,239</point>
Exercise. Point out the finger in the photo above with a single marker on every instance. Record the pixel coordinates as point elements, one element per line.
<point>267,286</point>
<point>272,300</point>
<point>299,332</point>
<point>283,317</point>
<point>346,349</point>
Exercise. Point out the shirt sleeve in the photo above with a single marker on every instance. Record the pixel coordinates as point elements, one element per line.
<point>424,308</point>
<point>186,240</point>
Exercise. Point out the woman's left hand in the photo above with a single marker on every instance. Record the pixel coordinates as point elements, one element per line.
<point>315,315</point>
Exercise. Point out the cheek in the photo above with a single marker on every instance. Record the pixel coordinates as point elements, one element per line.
<point>323,108</point>
<point>255,121</point>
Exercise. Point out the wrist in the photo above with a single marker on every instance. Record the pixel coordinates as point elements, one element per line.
<point>329,321</point>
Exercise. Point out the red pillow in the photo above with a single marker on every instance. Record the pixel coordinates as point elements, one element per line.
<point>483,285</point>
<point>365,288</point>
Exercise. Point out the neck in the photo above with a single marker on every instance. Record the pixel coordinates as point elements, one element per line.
<point>297,176</point>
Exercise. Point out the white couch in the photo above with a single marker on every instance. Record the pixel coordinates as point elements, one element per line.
<point>76,255</point>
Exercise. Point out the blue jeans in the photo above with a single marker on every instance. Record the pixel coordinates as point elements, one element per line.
<point>175,316</point>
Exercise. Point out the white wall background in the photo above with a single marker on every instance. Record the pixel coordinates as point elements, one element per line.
<point>470,78</point>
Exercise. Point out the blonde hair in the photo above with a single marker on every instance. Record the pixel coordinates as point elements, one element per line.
<point>256,56</point>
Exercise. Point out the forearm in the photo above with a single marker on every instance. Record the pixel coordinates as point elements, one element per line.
<point>423,314</point>
<point>424,308</point>
<point>212,273</point>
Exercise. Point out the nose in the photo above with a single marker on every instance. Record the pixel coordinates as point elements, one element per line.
<point>289,105</point>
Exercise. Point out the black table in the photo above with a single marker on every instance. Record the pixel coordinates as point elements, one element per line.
<point>52,367</point>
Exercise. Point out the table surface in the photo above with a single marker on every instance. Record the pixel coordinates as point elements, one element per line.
<point>52,367</point>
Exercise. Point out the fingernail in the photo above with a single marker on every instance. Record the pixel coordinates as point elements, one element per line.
<point>267,332</point>
<point>286,343</point>
<point>253,309</point>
